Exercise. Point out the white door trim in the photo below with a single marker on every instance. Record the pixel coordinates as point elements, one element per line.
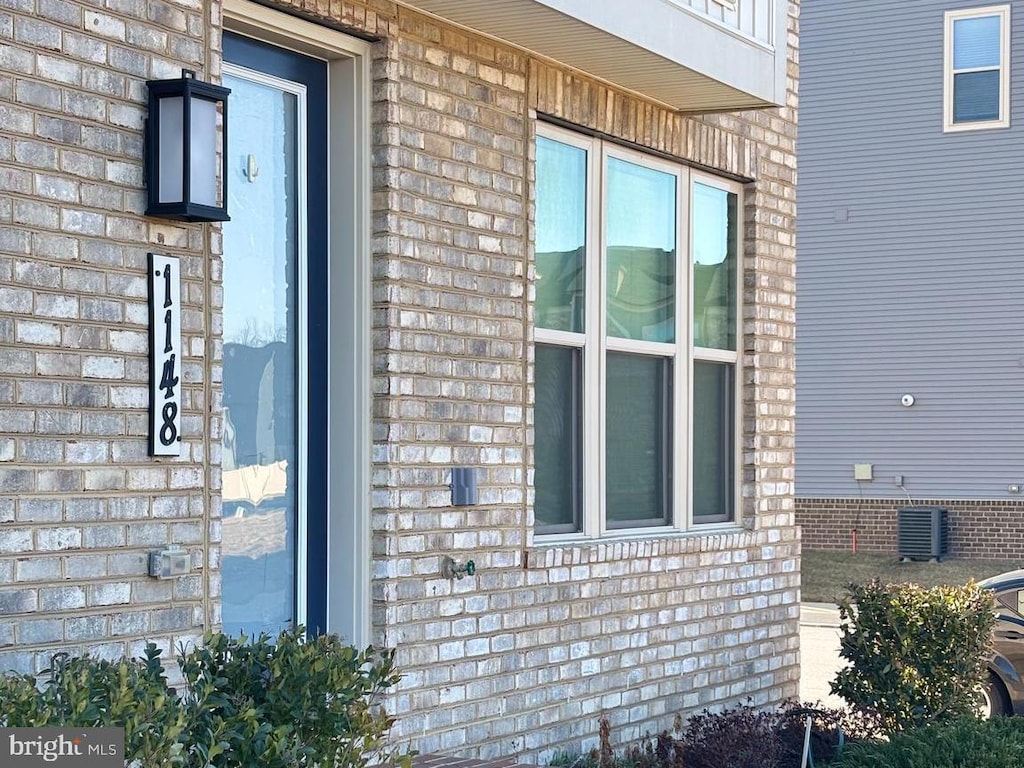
<point>350,269</point>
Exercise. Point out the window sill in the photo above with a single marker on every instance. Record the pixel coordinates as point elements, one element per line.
<point>985,125</point>
<point>559,550</point>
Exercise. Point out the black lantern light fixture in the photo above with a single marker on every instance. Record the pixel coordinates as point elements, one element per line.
<point>186,160</point>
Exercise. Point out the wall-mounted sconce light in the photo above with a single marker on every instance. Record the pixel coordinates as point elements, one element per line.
<point>186,163</point>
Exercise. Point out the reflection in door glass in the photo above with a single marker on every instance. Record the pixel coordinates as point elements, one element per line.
<point>260,408</point>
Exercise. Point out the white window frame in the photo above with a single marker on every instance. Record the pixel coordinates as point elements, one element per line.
<point>713,355</point>
<point>1003,12</point>
<point>595,344</point>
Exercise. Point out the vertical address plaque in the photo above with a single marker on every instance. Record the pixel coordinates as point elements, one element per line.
<point>164,356</point>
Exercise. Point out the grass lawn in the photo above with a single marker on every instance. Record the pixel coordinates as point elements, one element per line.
<point>825,574</point>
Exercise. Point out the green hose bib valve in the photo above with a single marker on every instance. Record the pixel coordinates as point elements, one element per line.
<point>452,570</point>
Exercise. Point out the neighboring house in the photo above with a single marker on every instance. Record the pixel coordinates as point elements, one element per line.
<point>909,356</point>
<point>545,246</point>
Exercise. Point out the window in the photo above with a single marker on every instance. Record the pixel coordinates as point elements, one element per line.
<point>977,68</point>
<point>636,331</point>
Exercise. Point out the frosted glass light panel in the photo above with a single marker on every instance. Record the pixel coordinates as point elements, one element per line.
<point>172,149</point>
<point>640,252</point>
<point>715,261</point>
<point>561,239</point>
<point>203,152</point>
<point>203,160</point>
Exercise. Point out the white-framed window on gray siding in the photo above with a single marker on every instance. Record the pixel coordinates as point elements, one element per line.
<point>977,68</point>
<point>636,330</point>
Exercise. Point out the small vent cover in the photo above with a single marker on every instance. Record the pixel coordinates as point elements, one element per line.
<point>922,532</point>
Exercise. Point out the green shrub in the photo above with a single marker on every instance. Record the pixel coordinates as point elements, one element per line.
<point>291,701</point>
<point>88,692</point>
<point>279,703</point>
<point>916,655</point>
<point>963,743</point>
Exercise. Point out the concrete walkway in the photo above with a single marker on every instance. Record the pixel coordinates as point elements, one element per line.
<point>819,653</point>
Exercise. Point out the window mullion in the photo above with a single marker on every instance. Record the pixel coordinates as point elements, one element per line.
<point>593,361</point>
<point>561,338</point>
<point>682,391</point>
<point>970,70</point>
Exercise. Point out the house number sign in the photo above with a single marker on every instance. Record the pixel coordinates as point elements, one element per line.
<point>164,356</point>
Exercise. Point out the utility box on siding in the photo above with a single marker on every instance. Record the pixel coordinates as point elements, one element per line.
<point>922,532</point>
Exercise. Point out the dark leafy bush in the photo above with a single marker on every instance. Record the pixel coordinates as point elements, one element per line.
<point>963,743</point>
<point>745,737</point>
<point>738,737</point>
<point>916,655</point>
<point>89,692</point>
<point>290,701</point>
<point>279,703</point>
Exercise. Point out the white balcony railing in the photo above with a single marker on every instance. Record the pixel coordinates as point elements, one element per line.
<point>695,55</point>
<point>752,18</point>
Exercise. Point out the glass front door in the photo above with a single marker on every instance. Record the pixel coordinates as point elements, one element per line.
<point>272,563</point>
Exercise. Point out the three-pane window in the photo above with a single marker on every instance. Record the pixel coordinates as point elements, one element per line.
<point>977,72</point>
<point>637,275</point>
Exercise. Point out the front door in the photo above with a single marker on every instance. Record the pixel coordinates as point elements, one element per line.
<point>274,341</point>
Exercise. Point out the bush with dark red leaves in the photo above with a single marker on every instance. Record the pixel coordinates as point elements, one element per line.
<point>737,737</point>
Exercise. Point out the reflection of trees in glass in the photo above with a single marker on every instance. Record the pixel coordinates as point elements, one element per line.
<point>560,290</point>
<point>714,309</point>
<point>640,256</point>
<point>561,235</point>
<point>641,293</point>
<point>253,333</point>
<point>715,261</point>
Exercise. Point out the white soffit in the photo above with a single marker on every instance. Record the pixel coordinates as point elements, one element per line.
<point>697,48</point>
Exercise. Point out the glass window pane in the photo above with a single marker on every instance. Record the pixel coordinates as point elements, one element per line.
<point>638,440</point>
<point>260,440</point>
<point>557,439</point>
<point>640,231</point>
<point>715,260</point>
<point>976,96</point>
<point>714,455</point>
<point>976,42</point>
<point>561,235</point>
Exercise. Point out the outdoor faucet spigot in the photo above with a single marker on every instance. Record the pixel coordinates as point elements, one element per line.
<point>452,570</point>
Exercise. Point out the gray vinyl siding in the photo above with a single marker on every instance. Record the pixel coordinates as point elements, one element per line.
<point>920,290</point>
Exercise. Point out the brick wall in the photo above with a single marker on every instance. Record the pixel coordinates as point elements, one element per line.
<point>525,656</point>
<point>80,500</point>
<point>987,530</point>
<point>520,659</point>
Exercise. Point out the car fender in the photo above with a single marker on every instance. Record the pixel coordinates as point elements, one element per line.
<point>1004,669</point>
